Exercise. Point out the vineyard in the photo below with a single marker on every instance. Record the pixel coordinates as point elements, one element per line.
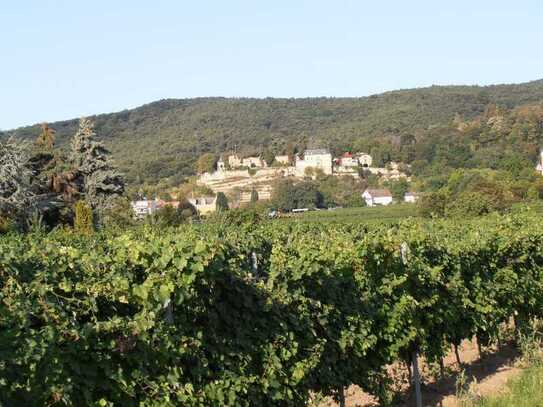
<point>253,315</point>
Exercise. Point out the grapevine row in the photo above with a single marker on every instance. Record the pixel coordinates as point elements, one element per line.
<point>252,315</point>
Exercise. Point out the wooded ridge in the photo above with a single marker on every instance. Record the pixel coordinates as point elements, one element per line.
<point>164,138</point>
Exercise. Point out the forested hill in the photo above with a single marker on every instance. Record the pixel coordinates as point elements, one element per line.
<point>164,138</point>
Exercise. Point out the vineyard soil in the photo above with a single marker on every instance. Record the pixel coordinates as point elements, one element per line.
<point>491,375</point>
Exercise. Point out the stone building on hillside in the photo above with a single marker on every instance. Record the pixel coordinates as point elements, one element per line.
<point>317,159</point>
<point>204,204</point>
<point>221,164</point>
<point>365,160</point>
<point>254,162</point>
<point>234,161</point>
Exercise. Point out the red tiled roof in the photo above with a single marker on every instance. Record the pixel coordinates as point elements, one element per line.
<point>379,192</point>
<point>162,204</point>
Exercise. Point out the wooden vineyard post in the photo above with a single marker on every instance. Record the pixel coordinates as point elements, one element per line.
<point>168,306</point>
<point>404,251</point>
<point>254,263</point>
<point>416,376</point>
<point>342,396</point>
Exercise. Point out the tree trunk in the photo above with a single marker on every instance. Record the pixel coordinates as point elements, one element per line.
<point>457,355</point>
<point>441,367</point>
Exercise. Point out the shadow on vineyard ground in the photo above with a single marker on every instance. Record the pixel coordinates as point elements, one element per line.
<point>490,374</point>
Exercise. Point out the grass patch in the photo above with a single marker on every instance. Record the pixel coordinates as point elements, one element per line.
<point>526,390</point>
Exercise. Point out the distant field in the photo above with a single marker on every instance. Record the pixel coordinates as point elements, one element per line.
<point>386,214</point>
<point>391,213</point>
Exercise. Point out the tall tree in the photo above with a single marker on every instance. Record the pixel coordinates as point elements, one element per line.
<point>46,139</point>
<point>222,202</point>
<point>55,182</point>
<point>254,195</point>
<point>268,156</point>
<point>100,181</point>
<point>16,196</point>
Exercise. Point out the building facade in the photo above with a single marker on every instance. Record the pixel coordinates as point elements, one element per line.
<point>234,161</point>
<point>376,197</point>
<point>347,160</point>
<point>317,159</point>
<point>221,165</point>
<point>365,160</point>
<point>204,204</point>
<point>253,162</point>
<point>144,207</point>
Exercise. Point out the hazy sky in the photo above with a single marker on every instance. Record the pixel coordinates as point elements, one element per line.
<point>65,59</point>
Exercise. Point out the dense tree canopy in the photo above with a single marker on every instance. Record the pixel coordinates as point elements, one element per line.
<point>206,163</point>
<point>288,195</point>
<point>163,140</point>
<point>474,192</point>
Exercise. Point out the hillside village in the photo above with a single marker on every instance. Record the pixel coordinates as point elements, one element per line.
<point>241,177</point>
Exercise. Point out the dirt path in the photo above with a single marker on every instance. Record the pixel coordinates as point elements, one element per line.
<point>487,376</point>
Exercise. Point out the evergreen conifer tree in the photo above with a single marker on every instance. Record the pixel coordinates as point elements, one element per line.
<point>221,202</point>
<point>16,196</point>
<point>254,196</point>
<point>99,179</point>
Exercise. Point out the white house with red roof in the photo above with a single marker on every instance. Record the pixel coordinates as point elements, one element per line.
<point>375,197</point>
<point>348,160</point>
